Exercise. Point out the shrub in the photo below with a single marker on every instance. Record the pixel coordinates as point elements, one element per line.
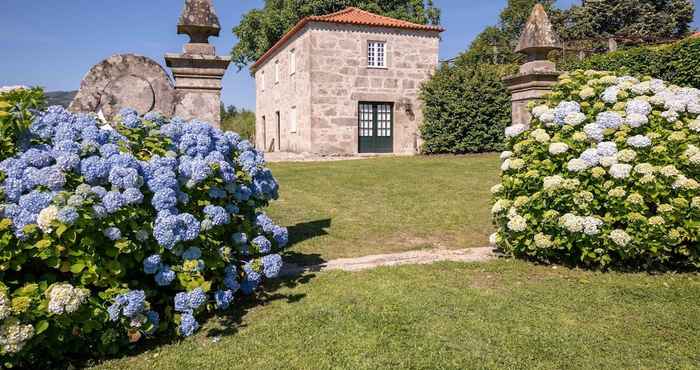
<point>465,108</point>
<point>607,175</point>
<point>109,236</point>
<point>242,122</point>
<point>16,106</point>
<point>675,63</point>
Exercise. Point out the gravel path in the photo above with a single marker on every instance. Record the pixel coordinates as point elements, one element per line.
<point>407,258</point>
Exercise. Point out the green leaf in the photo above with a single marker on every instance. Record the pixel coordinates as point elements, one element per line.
<point>61,229</point>
<point>41,326</point>
<point>43,244</point>
<point>76,268</point>
<point>28,290</point>
<point>5,224</point>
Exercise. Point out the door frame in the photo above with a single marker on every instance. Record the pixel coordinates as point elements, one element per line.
<point>264,133</point>
<point>279,131</point>
<point>375,121</point>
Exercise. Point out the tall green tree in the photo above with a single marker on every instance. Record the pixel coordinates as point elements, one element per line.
<point>261,28</point>
<point>644,19</point>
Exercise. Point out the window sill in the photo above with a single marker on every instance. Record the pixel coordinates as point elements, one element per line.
<point>370,67</point>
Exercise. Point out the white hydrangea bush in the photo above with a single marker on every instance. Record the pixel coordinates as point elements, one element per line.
<point>606,175</point>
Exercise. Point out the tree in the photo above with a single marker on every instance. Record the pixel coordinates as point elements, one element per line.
<point>260,29</point>
<point>636,19</point>
<point>239,120</point>
<point>496,44</point>
<point>230,111</point>
<point>593,19</point>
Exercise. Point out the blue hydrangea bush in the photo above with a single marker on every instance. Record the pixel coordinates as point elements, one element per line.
<point>112,234</point>
<point>606,175</point>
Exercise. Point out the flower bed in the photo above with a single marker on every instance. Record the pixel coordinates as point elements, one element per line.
<point>112,235</point>
<point>607,174</point>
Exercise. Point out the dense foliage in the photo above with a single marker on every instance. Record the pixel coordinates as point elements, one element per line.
<point>112,235</point>
<point>466,109</point>
<point>496,44</point>
<point>586,26</point>
<point>675,63</point>
<point>607,175</point>
<point>260,29</point>
<point>16,106</point>
<point>237,120</point>
<point>642,19</point>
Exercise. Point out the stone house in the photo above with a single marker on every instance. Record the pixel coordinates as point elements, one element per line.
<point>345,83</point>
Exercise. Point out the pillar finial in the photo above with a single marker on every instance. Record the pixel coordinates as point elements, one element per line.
<point>198,70</point>
<point>537,75</point>
<point>199,21</point>
<point>538,37</point>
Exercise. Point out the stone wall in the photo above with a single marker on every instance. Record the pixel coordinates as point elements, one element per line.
<point>340,79</point>
<point>291,91</point>
<point>331,79</point>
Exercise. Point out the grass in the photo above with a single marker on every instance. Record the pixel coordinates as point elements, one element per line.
<point>385,205</point>
<point>503,314</point>
<point>497,315</point>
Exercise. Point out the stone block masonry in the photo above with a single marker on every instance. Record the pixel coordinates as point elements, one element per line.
<point>132,81</point>
<point>331,78</point>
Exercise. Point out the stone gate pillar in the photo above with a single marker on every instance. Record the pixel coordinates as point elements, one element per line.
<point>198,70</point>
<point>538,74</point>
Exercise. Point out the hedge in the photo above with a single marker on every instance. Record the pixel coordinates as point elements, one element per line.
<point>677,63</point>
<point>466,108</point>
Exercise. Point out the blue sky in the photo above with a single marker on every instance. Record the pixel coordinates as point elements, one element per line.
<point>54,43</point>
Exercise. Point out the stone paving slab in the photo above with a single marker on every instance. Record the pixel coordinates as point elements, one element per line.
<point>273,157</point>
<point>421,257</point>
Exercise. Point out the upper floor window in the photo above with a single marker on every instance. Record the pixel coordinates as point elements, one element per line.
<point>376,56</point>
<point>262,80</point>
<point>277,71</point>
<point>292,62</point>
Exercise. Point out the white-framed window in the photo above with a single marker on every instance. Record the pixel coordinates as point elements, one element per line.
<point>376,54</point>
<point>277,71</point>
<point>292,62</point>
<point>262,80</point>
<point>293,120</point>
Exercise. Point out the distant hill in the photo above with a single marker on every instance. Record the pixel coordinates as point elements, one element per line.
<point>62,98</point>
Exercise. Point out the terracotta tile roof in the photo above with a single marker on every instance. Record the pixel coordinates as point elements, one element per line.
<point>695,35</point>
<point>350,15</point>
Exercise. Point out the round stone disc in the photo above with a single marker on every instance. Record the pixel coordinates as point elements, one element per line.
<point>127,91</point>
<point>125,81</point>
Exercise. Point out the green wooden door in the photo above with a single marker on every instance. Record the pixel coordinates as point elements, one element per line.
<point>376,128</point>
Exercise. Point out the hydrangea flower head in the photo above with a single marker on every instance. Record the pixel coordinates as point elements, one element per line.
<point>563,109</point>
<point>223,299</point>
<point>113,233</point>
<point>263,244</point>
<point>188,325</point>
<point>152,264</point>
<point>272,264</point>
<point>165,276</point>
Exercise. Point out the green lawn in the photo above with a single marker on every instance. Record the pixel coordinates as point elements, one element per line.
<point>503,314</point>
<point>385,205</point>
